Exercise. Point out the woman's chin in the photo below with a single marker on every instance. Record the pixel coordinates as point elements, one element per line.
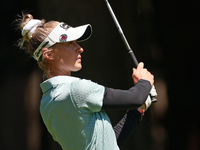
<point>79,67</point>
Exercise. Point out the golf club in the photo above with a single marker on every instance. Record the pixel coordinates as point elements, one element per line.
<point>130,51</point>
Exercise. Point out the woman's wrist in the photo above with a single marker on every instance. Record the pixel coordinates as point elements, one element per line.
<point>141,111</point>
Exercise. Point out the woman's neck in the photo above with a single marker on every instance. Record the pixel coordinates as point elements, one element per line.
<point>55,72</point>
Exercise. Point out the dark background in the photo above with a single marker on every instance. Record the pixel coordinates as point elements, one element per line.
<point>163,34</point>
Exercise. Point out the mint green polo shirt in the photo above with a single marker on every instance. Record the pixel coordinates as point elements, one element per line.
<point>71,110</point>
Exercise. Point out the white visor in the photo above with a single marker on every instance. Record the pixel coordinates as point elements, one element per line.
<point>64,33</point>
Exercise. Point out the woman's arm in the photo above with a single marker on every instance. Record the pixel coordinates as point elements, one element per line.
<point>127,99</point>
<point>124,128</point>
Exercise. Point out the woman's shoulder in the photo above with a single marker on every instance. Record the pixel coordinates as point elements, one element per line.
<point>57,80</point>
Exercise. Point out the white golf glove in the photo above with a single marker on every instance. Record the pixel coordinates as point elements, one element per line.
<point>153,93</point>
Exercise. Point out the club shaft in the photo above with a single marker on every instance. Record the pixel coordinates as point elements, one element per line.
<point>130,51</point>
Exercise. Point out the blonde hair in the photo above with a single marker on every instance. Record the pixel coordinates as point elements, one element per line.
<point>30,45</point>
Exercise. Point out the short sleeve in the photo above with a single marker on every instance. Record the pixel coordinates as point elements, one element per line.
<point>87,96</point>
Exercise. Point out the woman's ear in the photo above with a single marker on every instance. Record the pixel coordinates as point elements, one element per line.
<point>47,53</point>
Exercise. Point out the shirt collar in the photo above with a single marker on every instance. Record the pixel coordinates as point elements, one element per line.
<point>54,81</point>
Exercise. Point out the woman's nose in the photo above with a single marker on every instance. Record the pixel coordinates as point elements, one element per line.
<point>79,48</point>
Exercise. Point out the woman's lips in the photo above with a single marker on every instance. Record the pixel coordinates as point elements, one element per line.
<point>79,58</point>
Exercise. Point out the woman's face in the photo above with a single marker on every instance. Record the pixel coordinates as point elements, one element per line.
<point>66,58</point>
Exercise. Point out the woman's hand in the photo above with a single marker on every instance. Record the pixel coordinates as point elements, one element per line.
<point>142,73</point>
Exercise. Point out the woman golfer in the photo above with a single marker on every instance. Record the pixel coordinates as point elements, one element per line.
<point>72,108</point>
